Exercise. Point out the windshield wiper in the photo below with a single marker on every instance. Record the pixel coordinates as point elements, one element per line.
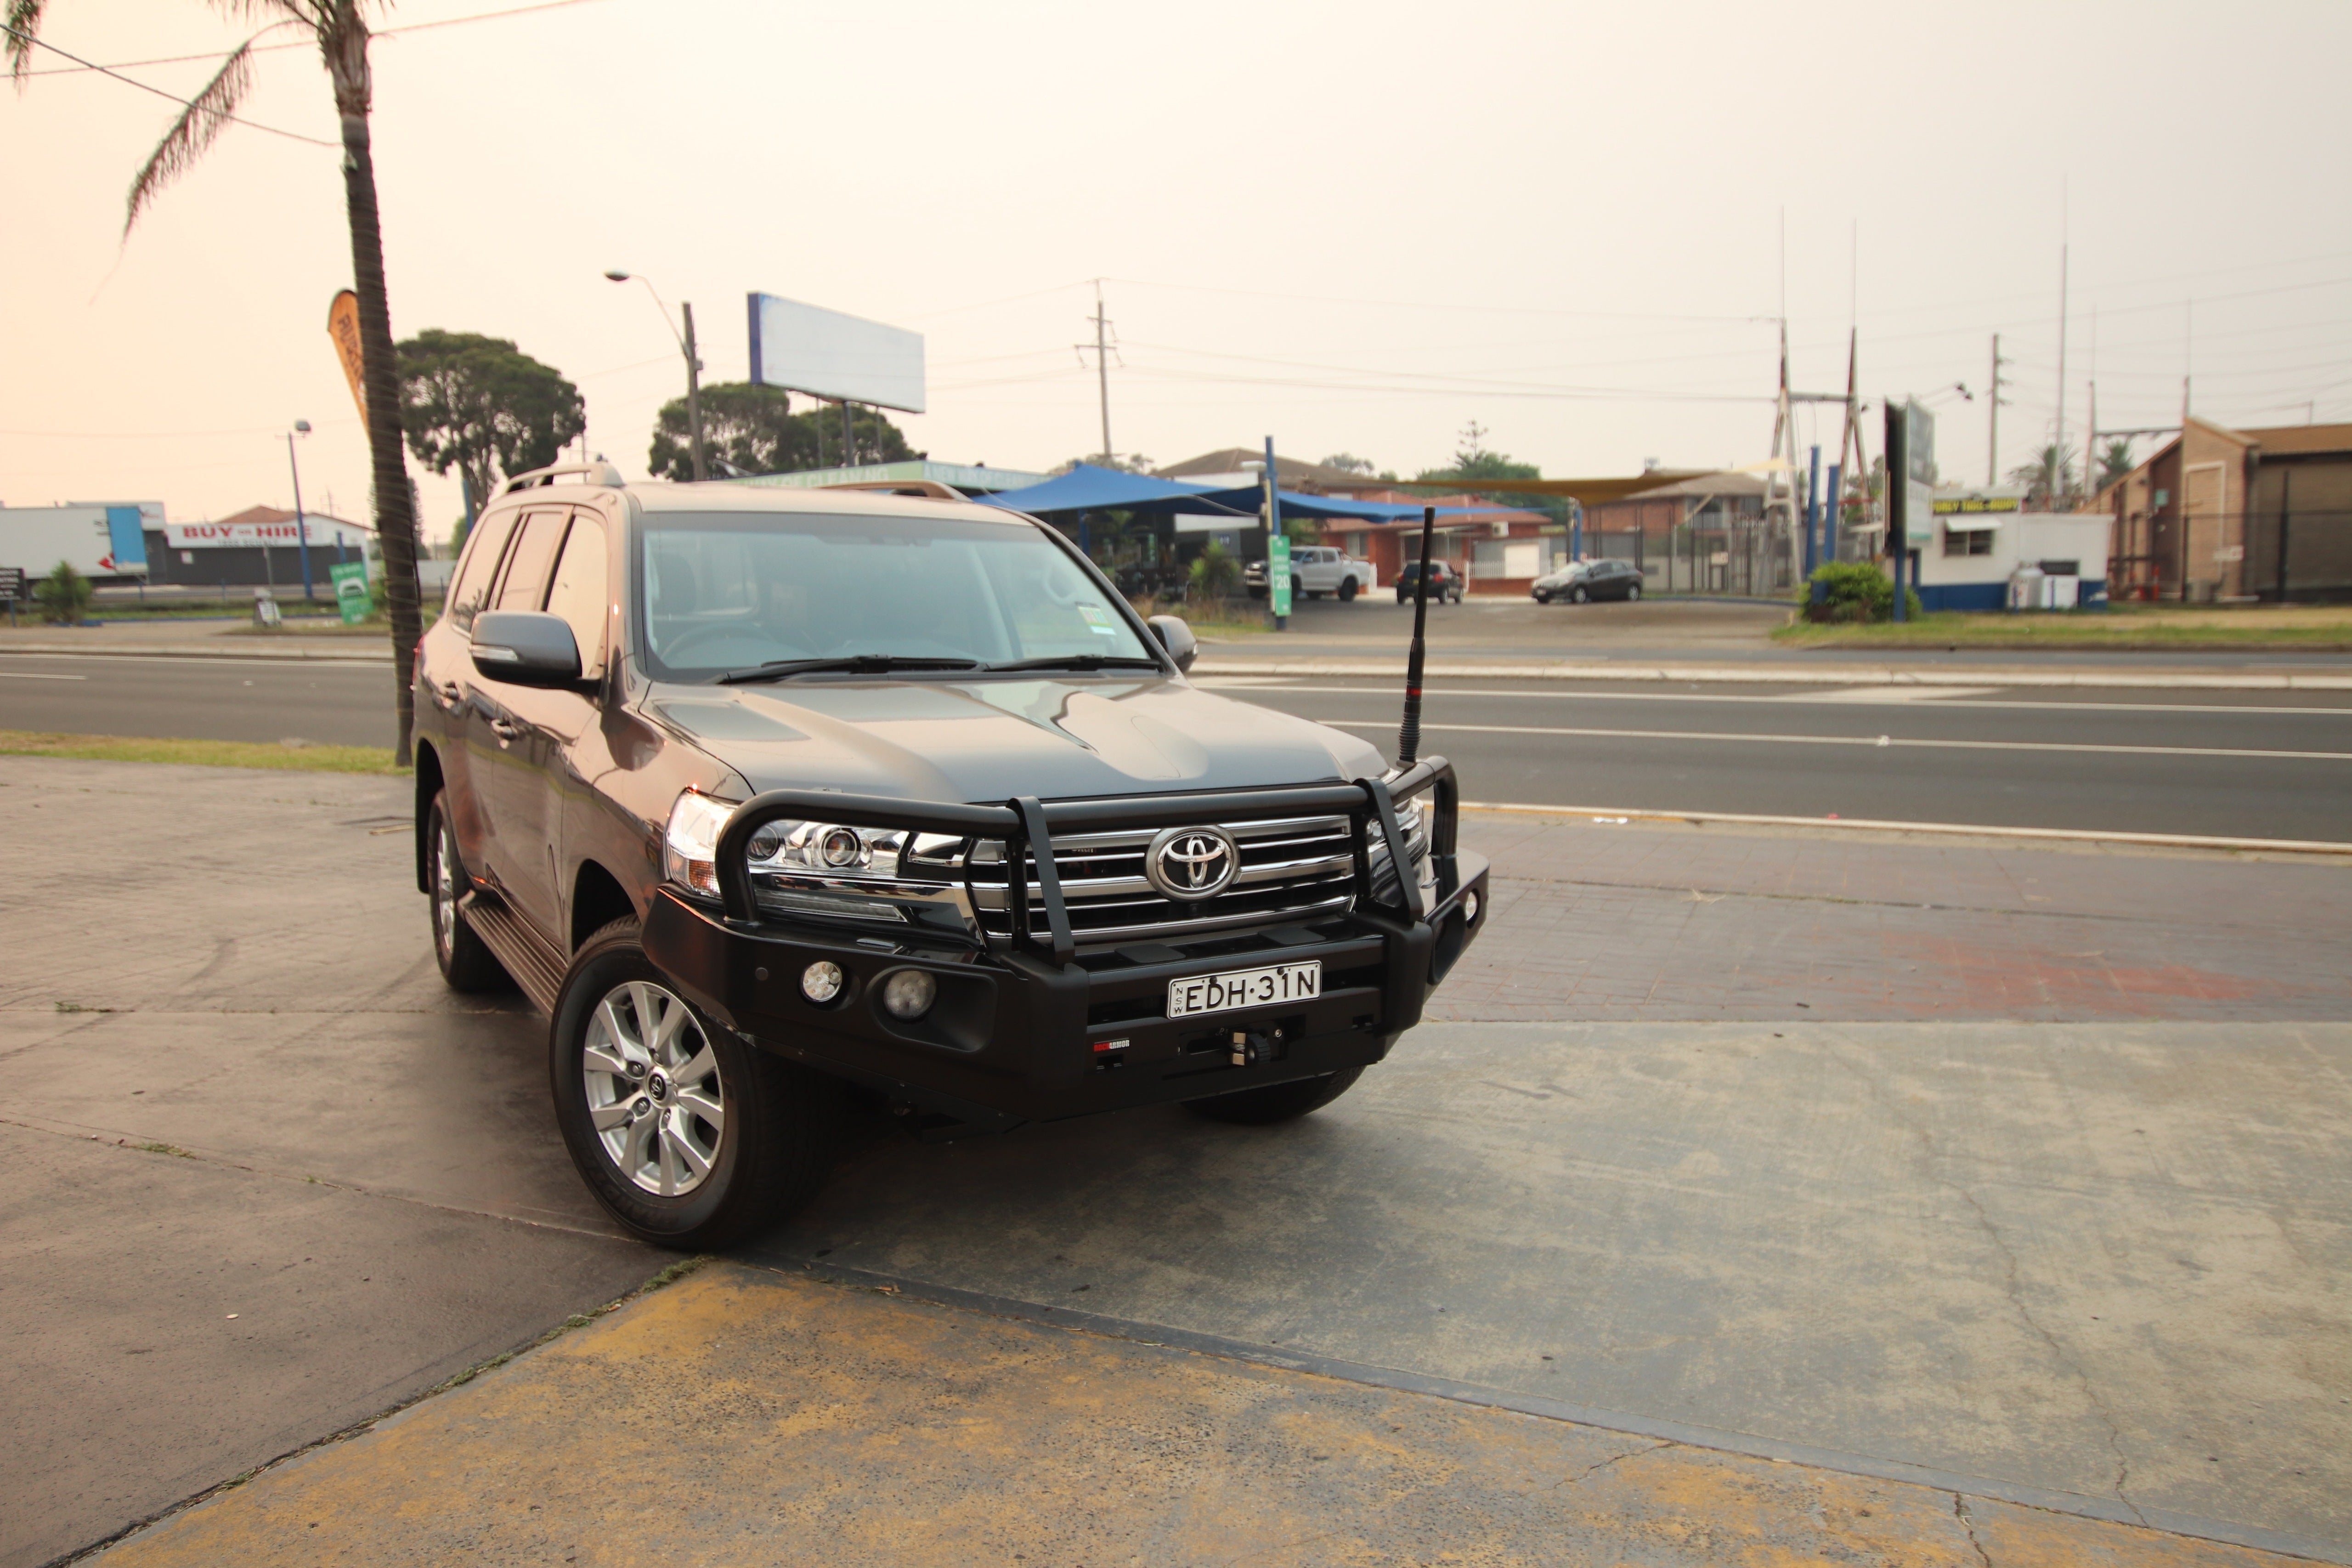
<point>850,664</point>
<point>1077,661</point>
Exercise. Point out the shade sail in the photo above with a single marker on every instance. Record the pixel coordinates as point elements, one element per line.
<point>1090,489</point>
<point>1592,492</point>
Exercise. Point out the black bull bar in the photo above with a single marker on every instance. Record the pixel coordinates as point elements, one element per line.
<point>1021,1030</point>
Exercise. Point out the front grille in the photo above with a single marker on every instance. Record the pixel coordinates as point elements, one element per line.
<point>1291,870</point>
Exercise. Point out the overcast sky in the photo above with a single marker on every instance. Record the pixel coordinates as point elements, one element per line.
<point>1354,227</point>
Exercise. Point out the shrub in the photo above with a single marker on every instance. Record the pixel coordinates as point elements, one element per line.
<point>1214,574</point>
<point>1857,591</point>
<point>64,596</point>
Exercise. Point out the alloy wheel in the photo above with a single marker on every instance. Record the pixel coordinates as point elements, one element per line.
<point>445,889</point>
<point>652,1082</point>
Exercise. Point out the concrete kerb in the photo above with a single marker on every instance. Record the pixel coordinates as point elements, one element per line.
<point>339,650</point>
<point>1785,674</point>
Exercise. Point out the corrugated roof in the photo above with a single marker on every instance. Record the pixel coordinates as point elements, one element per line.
<point>2290,440</point>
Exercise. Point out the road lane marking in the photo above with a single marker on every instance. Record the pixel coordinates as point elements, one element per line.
<point>1849,740</point>
<point>2089,835</point>
<point>1391,692</point>
<point>31,674</point>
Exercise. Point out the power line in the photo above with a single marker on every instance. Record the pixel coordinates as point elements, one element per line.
<point>159,93</point>
<point>82,66</point>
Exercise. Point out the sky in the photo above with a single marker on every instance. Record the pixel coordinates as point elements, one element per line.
<point>1361,227</point>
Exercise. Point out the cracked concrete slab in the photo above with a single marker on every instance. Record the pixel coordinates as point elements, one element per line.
<point>2101,1260</point>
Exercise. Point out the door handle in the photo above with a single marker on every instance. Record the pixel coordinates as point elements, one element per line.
<point>505,731</point>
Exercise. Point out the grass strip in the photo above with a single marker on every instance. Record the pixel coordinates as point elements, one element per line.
<point>201,753</point>
<point>2122,630</point>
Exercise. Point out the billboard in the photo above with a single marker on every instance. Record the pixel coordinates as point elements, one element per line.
<point>804,347</point>
<point>98,538</point>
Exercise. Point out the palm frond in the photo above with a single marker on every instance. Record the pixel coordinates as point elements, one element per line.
<point>207,115</point>
<point>23,23</point>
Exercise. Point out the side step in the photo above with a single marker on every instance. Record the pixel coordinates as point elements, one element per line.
<point>536,968</point>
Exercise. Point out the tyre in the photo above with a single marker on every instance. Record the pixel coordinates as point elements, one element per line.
<point>1274,1102</point>
<point>1579,595</point>
<point>1632,592</point>
<point>467,962</point>
<point>687,1136</point>
<point>1347,590</point>
<point>1403,598</point>
<point>1540,599</point>
<point>1297,590</point>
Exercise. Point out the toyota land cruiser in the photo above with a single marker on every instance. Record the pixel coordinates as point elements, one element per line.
<point>774,799</point>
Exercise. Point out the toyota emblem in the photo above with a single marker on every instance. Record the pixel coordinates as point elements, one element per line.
<point>1193,863</point>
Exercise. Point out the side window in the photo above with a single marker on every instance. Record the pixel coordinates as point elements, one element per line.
<point>480,567</point>
<point>523,585</point>
<point>577,592</point>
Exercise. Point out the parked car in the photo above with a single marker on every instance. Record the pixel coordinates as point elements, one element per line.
<point>1589,580</point>
<point>1316,570</point>
<point>775,801</point>
<point>1444,583</point>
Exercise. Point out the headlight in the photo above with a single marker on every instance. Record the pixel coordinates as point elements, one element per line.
<point>691,846</point>
<point>827,849</point>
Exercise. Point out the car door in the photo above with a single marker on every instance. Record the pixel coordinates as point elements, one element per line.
<point>450,684</point>
<point>562,732</point>
<point>515,848</point>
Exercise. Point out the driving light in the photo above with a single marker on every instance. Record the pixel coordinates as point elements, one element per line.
<point>821,980</point>
<point>909,993</point>
<point>840,847</point>
<point>1470,907</point>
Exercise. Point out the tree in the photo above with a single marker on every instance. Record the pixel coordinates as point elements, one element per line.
<point>1133,463</point>
<point>339,29</point>
<point>64,596</point>
<point>484,407</point>
<point>1348,463</point>
<point>751,428</point>
<point>1214,573</point>
<point>1472,462</point>
<point>2116,461</point>
<point>2048,480</point>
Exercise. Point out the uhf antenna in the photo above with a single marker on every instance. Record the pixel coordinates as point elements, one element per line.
<point>1408,733</point>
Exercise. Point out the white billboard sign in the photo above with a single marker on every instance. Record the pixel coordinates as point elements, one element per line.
<point>320,531</point>
<point>804,347</point>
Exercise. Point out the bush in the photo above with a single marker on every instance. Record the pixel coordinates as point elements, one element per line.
<point>1215,574</point>
<point>1857,591</point>
<point>64,596</point>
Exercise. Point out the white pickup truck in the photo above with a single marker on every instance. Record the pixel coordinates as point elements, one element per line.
<point>1316,570</point>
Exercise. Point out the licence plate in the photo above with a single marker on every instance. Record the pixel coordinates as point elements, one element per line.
<point>1244,988</point>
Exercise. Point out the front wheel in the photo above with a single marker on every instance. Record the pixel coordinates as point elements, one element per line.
<point>685,1134</point>
<point>1633,591</point>
<point>1347,590</point>
<point>1276,1101</point>
<point>1578,595</point>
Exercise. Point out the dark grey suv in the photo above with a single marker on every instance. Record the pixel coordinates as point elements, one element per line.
<point>776,799</point>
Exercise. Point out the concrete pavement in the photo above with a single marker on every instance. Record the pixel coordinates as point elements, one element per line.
<point>2090,1266</point>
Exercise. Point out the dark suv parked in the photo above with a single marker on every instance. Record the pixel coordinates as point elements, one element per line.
<point>772,799</point>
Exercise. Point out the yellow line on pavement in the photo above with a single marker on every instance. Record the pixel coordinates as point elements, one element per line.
<point>747,1416</point>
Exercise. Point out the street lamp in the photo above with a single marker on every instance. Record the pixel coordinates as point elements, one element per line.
<point>301,526</point>
<point>693,366</point>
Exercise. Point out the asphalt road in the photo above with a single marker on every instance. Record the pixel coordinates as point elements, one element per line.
<point>2251,765</point>
<point>2254,764</point>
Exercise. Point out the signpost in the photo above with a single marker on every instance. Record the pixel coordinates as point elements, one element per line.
<point>352,595</point>
<point>1911,485</point>
<point>1278,547</point>
<point>12,588</point>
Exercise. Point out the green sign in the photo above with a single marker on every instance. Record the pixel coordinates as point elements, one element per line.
<point>1277,574</point>
<point>350,581</point>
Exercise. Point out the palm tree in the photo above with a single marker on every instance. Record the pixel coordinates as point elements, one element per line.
<point>2048,480</point>
<point>341,31</point>
<point>2114,461</point>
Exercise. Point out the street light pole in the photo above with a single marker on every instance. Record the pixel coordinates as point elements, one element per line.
<point>301,525</point>
<point>693,367</point>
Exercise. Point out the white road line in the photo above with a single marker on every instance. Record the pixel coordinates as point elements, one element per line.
<point>30,674</point>
<point>1385,724</point>
<point>1928,699</point>
<point>2168,840</point>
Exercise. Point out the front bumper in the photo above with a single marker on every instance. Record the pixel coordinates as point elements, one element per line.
<point>1024,1032</point>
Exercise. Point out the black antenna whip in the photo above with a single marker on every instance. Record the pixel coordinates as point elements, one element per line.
<point>1408,733</point>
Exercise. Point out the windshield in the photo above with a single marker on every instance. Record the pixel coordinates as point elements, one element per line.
<point>733,591</point>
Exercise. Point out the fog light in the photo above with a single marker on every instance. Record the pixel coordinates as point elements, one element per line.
<point>841,846</point>
<point>1470,907</point>
<point>909,993</point>
<point>821,980</point>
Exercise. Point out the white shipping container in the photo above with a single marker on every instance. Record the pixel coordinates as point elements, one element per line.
<point>98,539</point>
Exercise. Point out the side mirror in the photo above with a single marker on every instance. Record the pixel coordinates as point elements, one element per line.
<point>1176,637</point>
<point>526,648</point>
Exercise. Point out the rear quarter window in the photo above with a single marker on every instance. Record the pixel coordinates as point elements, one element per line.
<point>478,566</point>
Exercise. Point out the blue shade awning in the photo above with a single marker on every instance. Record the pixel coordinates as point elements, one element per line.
<point>1089,489</point>
<point>1249,496</point>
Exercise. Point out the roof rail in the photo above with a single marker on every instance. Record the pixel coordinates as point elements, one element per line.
<point>930,488</point>
<point>599,472</point>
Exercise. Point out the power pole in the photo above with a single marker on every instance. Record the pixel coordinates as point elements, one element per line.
<point>1101,345</point>
<point>693,393</point>
<point>2058,449</point>
<point>848,437</point>
<point>1992,453</point>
